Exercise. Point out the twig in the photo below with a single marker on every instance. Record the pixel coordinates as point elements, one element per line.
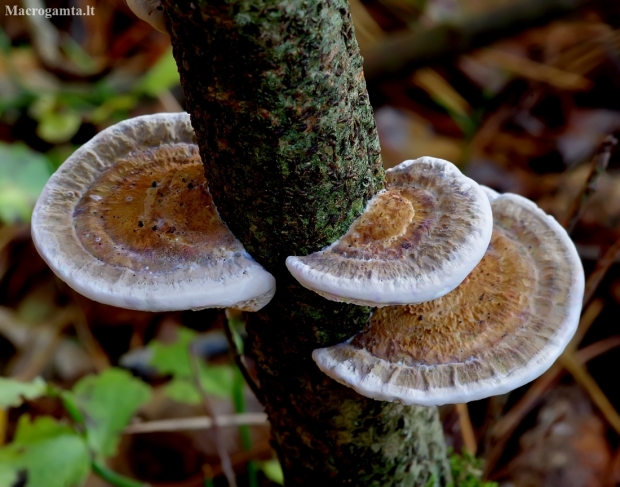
<point>215,430</point>
<point>467,430</point>
<point>508,423</point>
<point>534,70</point>
<point>602,266</point>
<point>504,428</point>
<point>598,348</point>
<point>45,36</point>
<point>114,478</point>
<point>4,423</point>
<point>196,423</point>
<point>169,102</point>
<point>239,360</point>
<point>585,380</point>
<point>367,30</point>
<point>598,165</point>
<point>96,353</point>
<point>588,317</point>
<point>41,346</point>
<point>13,329</point>
<point>421,46</point>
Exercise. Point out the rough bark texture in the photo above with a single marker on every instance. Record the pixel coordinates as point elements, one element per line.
<point>286,133</point>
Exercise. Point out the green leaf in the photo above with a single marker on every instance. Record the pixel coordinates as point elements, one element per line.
<point>120,103</point>
<point>52,454</point>
<point>182,390</point>
<point>13,392</point>
<point>173,358</point>
<point>216,380</point>
<point>59,154</point>
<point>108,401</point>
<point>23,173</point>
<point>56,127</point>
<point>8,476</point>
<point>162,76</point>
<point>272,470</point>
<point>79,56</point>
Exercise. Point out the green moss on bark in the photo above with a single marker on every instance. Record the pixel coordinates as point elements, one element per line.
<point>286,133</point>
<point>280,106</point>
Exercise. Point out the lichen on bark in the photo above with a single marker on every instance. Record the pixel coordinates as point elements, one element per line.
<point>287,137</point>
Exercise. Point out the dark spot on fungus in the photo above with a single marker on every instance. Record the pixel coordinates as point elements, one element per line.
<point>154,184</point>
<point>154,227</point>
<point>140,224</point>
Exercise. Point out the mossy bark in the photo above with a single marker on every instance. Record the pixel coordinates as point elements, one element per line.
<point>291,153</point>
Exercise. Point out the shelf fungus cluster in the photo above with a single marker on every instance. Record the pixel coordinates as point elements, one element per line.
<point>477,293</point>
<point>128,220</point>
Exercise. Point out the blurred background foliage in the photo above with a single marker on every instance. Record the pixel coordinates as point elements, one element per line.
<point>519,93</point>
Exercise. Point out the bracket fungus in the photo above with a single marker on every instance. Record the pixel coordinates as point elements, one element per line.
<point>416,241</point>
<point>502,327</point>
<point>128,220</point>
<point>151,11</point>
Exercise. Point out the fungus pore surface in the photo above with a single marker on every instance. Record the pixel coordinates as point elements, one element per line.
<point>128,220</point>
<point>503,326</point>
<point>153,199</point>
<point>415,241</point>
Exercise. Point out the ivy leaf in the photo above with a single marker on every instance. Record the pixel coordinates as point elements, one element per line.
<point>13,392</point>
<point>108,401</point>
<point>50,452</point>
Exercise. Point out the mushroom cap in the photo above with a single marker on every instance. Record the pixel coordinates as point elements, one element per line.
<point>491,193</point>
<point>416,241</point>
<point>502,327</point>
<point>151,11</point>
<point>128,220</point>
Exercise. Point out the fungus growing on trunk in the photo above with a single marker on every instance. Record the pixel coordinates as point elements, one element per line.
<point>128,220</point>
<point>502,327</point>
<point>415,241</point>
